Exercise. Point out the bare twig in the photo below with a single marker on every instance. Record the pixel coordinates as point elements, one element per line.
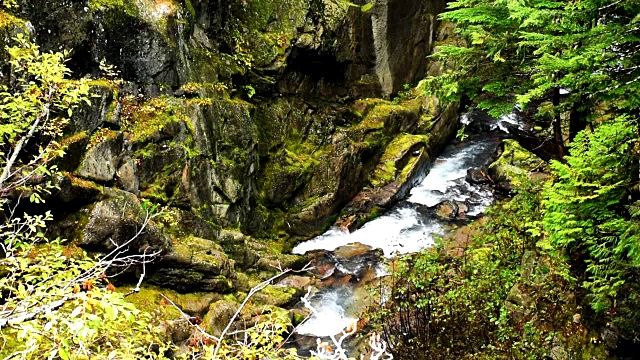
<point>188,319</point>
<point>252,292</point>
<point>44,115</point>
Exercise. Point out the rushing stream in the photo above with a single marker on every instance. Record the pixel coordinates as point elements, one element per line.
<point>406,228</point>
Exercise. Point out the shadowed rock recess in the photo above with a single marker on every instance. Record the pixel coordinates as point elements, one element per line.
<point>254,123</point>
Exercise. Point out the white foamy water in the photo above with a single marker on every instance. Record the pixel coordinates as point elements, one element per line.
<point>403,229</point>
<point>330,318</point>
<point>400,231</point>
<point>512,119</point>
<point>447,176</point>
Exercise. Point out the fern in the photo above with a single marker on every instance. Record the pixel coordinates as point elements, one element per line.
<point>583,207</point>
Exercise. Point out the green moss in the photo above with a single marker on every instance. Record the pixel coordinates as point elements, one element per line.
<point>105,83</point>
<point>371,214</point>
<point>142,121</point>
<point>156,193</point>
<point>79,219</point>
<point>100,136</point>
<point>68,141</point>
<point>387,169</point>
<point>153,12</point>
<point>514,163</point>
<point>9,26</point>
<point>277,296</point>
<point>124,5</point>
<point>205,91</point>
<point>263,30</point>
<point>150,300</point>
<point>84,184</point>
<point>379,112</point>
<point>201,251</point>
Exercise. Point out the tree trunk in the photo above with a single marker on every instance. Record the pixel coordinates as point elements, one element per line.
<point>557,127</point>
<point>577,121</point>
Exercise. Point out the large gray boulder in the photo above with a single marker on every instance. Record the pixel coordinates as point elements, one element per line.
<point>119,221</point>
<point>101,160</point>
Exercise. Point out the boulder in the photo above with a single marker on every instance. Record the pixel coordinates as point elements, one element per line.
<point>219,315</point>
<point>89,118</point>
<point>279,295</point>
<point>609,335</point>
<point>101,160</point>
<point>518,304</point>
<point>514,165</point>
<point>447,210</point>
<point>295,281</point>
<point>119,220</point>
<point>351,250</point>
<point>195,264</point>
<point>194,304</point>
<point>72,189</point>
<point>127,176</point>
<point>477,176</point>
<point>451,210</point>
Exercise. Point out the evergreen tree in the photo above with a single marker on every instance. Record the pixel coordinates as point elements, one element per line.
<point>526,52</point>
<point>578,62</point>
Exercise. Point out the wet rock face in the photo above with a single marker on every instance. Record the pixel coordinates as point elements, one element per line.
<point>350,263</point>
<point>402,164</point>
<point>176,131</point>
<point>318,47</point>
<point>403,31</point>
<point>117,31</point>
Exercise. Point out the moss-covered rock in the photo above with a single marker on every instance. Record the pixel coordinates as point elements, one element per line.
<point>395,159</point>
<point>514,165</point>
<point>116,221</point>
<point>103,109</point>
<point>265,30</point>
<point>280,296</point>
<point>219,315</point>
<point>195,264</point>
<point>283,175</point>
<point>150,299</point>
<point>221,312</point>
<point>74,147</point>
<point>404,157</point>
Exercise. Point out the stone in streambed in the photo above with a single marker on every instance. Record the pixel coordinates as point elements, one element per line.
<point>351,250</point>
<point>295,281</point>
<point>451,210</point>
<point>477,176</point>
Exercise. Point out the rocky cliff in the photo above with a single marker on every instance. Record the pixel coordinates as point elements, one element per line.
<point>246,120</point>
